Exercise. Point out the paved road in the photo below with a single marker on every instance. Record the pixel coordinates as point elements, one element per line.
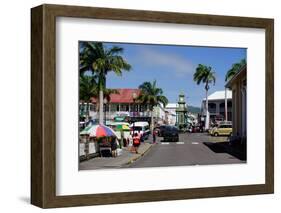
<point>193,149</point>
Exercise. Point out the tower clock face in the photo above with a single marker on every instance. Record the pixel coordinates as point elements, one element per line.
<point>181,99</point>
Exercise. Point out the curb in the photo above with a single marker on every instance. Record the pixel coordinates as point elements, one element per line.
<point>139,156</point>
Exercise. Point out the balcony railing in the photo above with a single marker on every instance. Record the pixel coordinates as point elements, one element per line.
<point>112,115</point>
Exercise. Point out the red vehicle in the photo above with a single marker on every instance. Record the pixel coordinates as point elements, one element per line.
<point>197,128</point>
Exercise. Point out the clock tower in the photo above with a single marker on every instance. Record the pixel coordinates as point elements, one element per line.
<point>181,112</point>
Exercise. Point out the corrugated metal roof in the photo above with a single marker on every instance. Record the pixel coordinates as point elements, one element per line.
<point>124,96</point>
<point>220,95</point>
<point>171,105</point>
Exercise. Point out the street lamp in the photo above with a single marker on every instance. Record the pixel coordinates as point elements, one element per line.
<point>134,101</point>
<point>105,102</point>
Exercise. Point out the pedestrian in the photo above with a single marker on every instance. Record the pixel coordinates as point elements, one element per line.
<point>124,142</point>
<point>114,146</point>
<point>141,137</point>
<point>154,135</point>
<point>130,142</point>
<point>136,142</point>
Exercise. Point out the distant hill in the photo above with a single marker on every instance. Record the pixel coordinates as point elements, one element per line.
<point>193,109</point>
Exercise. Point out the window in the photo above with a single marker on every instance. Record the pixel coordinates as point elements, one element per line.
<point>124,107</point>
<point>137,128</point>
<point>229,104</point>
<point>106,107</point>
<point>142,108</point>
<point>93,107</point>
<point>113,107</point>
<point>212,105</point>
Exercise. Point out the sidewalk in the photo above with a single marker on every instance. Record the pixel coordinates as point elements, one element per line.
<point>126,157</point>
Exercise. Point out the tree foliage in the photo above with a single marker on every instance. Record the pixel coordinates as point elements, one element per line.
<point>152,95</point>
<point>204,74</point>
<point>234,69</point>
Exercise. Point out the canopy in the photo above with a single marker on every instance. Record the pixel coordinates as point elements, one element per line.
<point>122,127</point>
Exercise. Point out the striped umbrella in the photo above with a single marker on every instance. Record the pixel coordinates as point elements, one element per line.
<point>98,131</point>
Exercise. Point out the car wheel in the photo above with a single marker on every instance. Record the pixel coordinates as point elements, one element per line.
<point>216,134</point>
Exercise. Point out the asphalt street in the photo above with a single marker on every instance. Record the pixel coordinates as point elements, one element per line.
<point>192,149</point>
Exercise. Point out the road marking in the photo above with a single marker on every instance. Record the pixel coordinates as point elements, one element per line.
<point>179,142</point>
<point>194,143</point>
<point>166,143</point>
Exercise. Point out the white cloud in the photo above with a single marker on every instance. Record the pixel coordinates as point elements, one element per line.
<point>170,61</point>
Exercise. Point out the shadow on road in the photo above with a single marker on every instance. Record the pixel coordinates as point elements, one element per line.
<point>224,147</point>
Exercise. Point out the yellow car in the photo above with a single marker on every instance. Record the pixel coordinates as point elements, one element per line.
<point>223,129</point>
<point>210,131</point>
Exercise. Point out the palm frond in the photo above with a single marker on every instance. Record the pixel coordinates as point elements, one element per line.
<point>234,69</point>
<point>204,74</point>
<point>151,94</point>
<point>98,59</point>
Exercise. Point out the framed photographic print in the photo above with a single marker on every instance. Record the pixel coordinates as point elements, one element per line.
<point>137,106</point>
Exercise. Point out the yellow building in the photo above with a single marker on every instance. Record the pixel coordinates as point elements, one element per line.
<point>238,85</point>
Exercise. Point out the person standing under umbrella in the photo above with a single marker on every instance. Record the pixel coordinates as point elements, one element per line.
<point>114,146</point>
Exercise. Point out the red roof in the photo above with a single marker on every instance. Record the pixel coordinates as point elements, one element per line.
<point>124,96</point>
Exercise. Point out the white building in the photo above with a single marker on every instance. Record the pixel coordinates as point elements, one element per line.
<point>123,106</point>
<point>238,85</point>
<point>171,115</point>
<point>159,114</point>
<point>216,105</point>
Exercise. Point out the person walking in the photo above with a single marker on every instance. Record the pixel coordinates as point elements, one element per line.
<point>130,142</point>
<point>141,136</point>
<point>136,142</point>
<point>154,134</point>
<point>114,146</point>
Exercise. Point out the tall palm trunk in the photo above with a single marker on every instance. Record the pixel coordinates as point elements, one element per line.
<point>152,119</point>
<point>101,106</point>
<point>102,85</point>
<point>207,112</point>
<point>87,111</point>
<point>225,105</point>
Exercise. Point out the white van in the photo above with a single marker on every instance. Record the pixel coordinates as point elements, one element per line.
<point>142,128</point>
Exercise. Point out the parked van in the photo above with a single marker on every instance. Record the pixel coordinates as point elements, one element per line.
<point>142,128</point>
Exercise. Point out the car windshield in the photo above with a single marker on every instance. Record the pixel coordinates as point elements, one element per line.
<point>137,128</point>
<point>171,128</point>
<point>225,126</point>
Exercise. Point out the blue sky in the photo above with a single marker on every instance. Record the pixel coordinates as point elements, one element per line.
<point>173,67</point>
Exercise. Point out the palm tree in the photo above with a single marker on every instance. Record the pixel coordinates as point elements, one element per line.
<point>99,60</point>
<point>153,96</point>
<point>230,73</point>
<point>234,69</point>
<point>107,92</point>
<point>87,89</point>
<point>204,74</point>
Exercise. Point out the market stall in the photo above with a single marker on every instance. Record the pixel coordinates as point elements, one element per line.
<point>97,139</point>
